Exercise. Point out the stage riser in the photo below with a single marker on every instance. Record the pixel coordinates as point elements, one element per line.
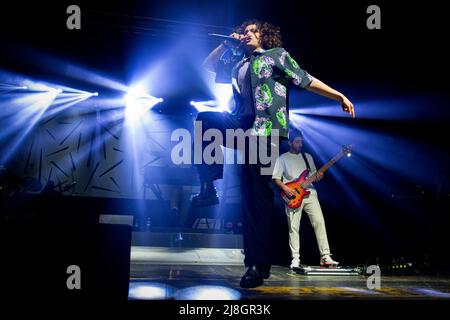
<point>190,240</point>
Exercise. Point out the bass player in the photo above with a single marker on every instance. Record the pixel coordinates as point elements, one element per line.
<point>288,167</point>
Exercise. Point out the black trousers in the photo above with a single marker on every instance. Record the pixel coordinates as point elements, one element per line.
<point>256,192</point>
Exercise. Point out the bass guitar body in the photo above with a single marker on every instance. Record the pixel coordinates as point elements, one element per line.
<point>300,192</point>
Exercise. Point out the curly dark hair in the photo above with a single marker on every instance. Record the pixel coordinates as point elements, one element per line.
<point>270,34</point>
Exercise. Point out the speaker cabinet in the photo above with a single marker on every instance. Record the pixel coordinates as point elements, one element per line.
<point>65,261</point>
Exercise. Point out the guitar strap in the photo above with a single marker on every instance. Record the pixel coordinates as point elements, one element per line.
<point>306,161</point>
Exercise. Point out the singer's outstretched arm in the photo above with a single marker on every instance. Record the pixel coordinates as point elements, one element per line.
<point>322,89</point>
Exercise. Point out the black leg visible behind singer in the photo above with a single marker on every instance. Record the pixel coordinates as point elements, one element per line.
<point>256,192</point>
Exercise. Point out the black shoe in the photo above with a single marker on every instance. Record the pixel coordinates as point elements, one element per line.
<point>206,197</point>
<point>252,278</point>
<point>265,271</point>
<point>300,268</point>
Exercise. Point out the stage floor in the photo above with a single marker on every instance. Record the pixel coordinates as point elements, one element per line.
<point>214,274</point>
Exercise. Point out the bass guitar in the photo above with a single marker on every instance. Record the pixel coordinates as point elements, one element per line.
<point>301,184</point>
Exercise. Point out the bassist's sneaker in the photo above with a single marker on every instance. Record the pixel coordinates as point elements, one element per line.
<point>327,262</point>
<point>295,264</point>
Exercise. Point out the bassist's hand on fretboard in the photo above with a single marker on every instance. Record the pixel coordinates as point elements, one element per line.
<point>319,176</point>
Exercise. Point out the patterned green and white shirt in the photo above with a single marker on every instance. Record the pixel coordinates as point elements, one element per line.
<point>271,72</point>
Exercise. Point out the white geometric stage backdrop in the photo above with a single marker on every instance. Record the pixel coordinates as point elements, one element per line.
<point>91,151</point>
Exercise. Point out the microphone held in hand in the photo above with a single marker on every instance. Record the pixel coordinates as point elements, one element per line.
<point>224,37</point>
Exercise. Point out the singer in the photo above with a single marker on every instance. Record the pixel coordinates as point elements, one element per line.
<point>261,72</point>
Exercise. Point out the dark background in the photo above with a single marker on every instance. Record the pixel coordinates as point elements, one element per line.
<point>331,38</point>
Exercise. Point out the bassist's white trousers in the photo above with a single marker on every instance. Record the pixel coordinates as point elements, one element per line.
<point>312,208</point>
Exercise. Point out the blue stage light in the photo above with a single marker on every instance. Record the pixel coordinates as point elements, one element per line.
<point>138,102</point>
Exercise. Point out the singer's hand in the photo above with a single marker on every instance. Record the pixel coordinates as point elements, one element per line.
<point>347,106</point>
<point>237,36</point>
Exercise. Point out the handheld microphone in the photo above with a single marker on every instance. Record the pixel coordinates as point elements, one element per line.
<point>224,37</point>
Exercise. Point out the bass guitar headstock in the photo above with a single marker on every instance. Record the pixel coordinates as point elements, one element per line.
<point>347,150</point>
